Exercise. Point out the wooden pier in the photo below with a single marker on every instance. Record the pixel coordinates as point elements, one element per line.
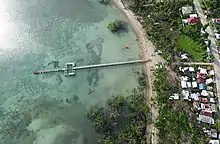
<point>110,64</point>
<point>70,68</point>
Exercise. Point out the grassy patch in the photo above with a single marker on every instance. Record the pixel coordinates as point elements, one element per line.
<point>189,46</point>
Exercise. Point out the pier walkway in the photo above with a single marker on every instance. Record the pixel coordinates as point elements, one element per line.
<point>110,64</point>
<point>70,71</point>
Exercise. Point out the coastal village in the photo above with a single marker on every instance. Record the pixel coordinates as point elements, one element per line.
<point>197,80</point>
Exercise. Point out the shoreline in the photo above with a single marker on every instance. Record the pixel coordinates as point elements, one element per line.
<point>147,49</point>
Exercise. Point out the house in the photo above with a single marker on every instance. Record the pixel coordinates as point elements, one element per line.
<point>212,100</point>
<point>193,20</point>
<point>187,10</point>
<point>202,71</point>
<point>214,142</point>
<point>203,100</point>
<point>201,86</point>
<point>212,133</point>
<point>212,72</point>
<point>184,56</point>
<point>217,36</point>
<point>185,94</point>
<point>193,15</point>
<point>204,93</point>
<point>189,84</point>
<point>194,96</point>
<point>183,84</point>
<point>209,81</point>
<point>213,107</point>
<point>194,84</point>
<point>205,119</point>
<point>191,69</point>
<point>216,20</point>
<point>206,113</point>
<point>175,96</point>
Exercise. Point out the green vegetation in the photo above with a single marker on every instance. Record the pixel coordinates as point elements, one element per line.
<point>174,123</point>
<point>164,27</point>
<point>123,119</point>
<point>213,6</point>
<point>115,26</point>
<point>194,49</point>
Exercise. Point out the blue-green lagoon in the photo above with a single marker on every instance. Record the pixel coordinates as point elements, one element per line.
<point>43,34</point>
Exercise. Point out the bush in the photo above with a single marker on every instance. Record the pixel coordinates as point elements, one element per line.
<point>115,26</point>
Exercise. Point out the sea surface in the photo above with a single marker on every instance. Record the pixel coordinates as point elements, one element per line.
<point>46,34</point>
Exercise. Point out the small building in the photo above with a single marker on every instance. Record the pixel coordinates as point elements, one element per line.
<point>189,84</point>
<point>185,94</point>
<point>212,100</point>
<point>194,96</point>
<point>184,56</point>
<point>183,84</point>
<point>216,20</point>
<point>203,100</point>
<point>212,72</point>
<point>186,10</point>
<point>202,71</point>
<point>213,107</point>
<point>192,20</point>
<point>193,16</point>
<point>201,86</point>
<point>209,81</point>
<point>194,84</point>
<point>191,69</point>
<point>206,119</point>
<point>214,142</point>
<point>206,113</point>
<point>217,36</point>
<point>174,96</point>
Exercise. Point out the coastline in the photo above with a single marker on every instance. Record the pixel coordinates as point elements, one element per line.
<point>146,51</point>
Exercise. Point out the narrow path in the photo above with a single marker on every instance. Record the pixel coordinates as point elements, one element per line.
<point>192,63</point>
<point>210,31</point>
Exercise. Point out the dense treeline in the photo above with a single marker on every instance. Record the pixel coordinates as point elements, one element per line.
<point>123,119</point>
<point>174,123</point>
<point>162,21</point>
<point>213,7</point>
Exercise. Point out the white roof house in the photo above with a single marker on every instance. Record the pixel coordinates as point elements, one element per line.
<point>214,142</point>
<point>212,100</point>
<point>185,94</point>
<point>191,69</point>
<point>212,72</point>
<point>206,119</point>
<point>184,78</point>
<point>209,81</point>
<point>194,96</point>
<point>217,36</point>
<point>184,56</point>
<point>202,70</point>
<point>183,84</point>
<point>194,84</point>
<point>189,84</point>
<point>204,93</point>
<point>175,96</point>
<point>193,15</point>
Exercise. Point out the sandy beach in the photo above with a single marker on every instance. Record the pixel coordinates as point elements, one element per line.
<point>147,51</point>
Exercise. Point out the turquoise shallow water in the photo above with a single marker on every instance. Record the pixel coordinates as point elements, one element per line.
<point>50,109</point>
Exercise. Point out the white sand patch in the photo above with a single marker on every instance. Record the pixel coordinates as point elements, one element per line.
<point>48,136</point>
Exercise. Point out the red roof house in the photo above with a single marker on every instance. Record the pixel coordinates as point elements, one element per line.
<point>193,20</point>
<point>217,20</point>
